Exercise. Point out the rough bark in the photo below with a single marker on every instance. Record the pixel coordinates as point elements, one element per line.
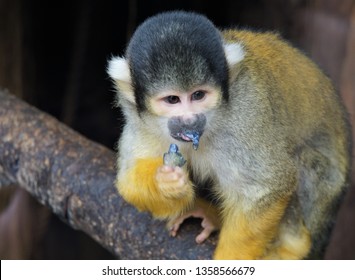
<point>74,177</point>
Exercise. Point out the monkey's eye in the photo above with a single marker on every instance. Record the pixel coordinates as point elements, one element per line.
<point>198,95</point>
<point>172,99</point>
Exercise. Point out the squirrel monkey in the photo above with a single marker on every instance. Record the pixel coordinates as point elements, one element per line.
<point>270,138</point>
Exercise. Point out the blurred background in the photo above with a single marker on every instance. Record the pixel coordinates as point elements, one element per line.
<point>53,54</point>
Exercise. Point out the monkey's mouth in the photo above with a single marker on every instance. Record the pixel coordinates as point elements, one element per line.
<point>188,136</point>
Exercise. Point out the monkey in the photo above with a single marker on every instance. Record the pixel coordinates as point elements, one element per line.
<point>260,125</point>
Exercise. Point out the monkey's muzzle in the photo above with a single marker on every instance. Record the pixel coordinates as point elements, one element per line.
<point>188,130</point>
<point>189,136</point>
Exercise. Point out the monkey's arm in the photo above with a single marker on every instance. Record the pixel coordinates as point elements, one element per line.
<point>150,186</point>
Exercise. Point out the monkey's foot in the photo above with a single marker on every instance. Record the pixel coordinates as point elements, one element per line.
<point>210,221</point>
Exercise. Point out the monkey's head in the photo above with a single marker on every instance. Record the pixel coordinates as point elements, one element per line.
<point>176,70</point>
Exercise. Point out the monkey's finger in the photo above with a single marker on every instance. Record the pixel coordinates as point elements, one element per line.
<point>175,224</point>
<point>168,176</point>
<point>204,235</point>
<point>179,170</point>
<point>165,169</point>
<point>174,230</point>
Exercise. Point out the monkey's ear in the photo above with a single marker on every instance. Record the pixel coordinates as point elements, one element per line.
<point>118,69</point>
<point>234,54</point>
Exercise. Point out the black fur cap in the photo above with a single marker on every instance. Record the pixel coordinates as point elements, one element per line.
<point>176,50</point>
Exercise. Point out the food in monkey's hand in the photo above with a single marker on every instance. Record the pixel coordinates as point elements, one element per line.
<point>173,157</point>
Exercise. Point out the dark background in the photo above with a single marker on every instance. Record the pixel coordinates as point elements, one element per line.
<point>53,54</point>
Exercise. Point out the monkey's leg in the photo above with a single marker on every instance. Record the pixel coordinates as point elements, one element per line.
<point>211,220</point>
<point>150,186</point>
<point>246,234</point>
<point>293,240</point>
<point>291,244</point>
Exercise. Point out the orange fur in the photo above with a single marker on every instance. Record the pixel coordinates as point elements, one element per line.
<point>245,236</point>
<point>139,187</point>
<point>290,246</point>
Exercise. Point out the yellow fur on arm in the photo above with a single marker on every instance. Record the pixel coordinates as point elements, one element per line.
<point>139,187</point>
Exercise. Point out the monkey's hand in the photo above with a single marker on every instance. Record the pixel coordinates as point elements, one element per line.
<point>204,210</point>
<point>173,182</point>
<point>164,191</point>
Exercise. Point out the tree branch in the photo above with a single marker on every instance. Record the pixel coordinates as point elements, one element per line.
<point>74,177</point>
